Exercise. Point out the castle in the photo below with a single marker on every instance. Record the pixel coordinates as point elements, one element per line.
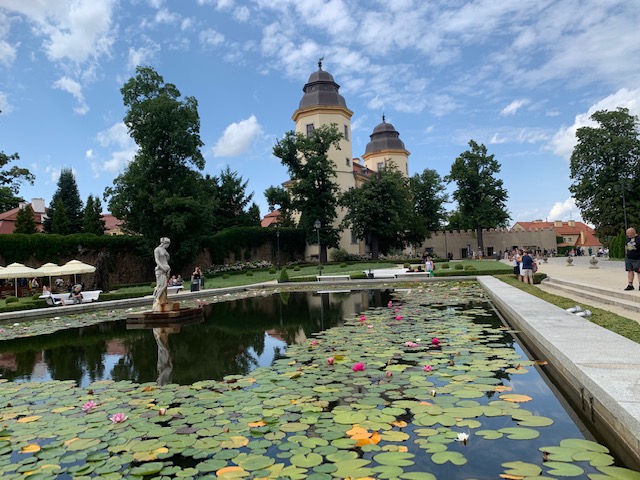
<point>322,104</point>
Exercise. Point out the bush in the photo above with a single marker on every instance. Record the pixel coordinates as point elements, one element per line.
<point>249,273</point>
<point>458,266</point>
<point>11,299</point>
<point>407,265</point>
<point>225,276</point>
<point>272,270</point>
<point>469,267</point>
<point>445,265</point>
<point>339,255</point>
<point>343,265</point>
<point>35,296</point>
<point>283,277</point>
<point>296,268</point>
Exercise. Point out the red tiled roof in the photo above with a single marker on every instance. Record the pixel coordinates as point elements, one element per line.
<point>270,218</point>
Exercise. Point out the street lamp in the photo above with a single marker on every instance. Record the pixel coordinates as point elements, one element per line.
<point>317,226</point>
<point>278,244</point>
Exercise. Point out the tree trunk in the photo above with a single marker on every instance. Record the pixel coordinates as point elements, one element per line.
<point>375,248</point>
<point>480,242</point>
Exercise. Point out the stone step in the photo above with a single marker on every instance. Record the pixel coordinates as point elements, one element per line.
<point>629,300</point>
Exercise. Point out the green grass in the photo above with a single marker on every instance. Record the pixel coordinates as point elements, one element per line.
<point>615,323</point>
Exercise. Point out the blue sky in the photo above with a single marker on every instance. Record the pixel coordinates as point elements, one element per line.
<point>518,76</point>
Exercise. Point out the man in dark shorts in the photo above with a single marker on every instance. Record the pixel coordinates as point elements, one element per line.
<point>632,256</point>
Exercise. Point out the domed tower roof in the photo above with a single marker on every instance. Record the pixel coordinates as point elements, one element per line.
<point>321,90</point>
<point>384,137</point>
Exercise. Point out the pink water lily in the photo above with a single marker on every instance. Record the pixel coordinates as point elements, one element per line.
<point>90,405</point>
<point>389,373</point>
<point>118,417</point>
<point>390,304</point>
<point>358,367</point>
<point>330,360</point>
<point>398,317</point>
<point>369,326</point>
<point>435,341</point>
<point>314,342</point>
<point>427,368</point>
<point>410,344</point>
<point>397,310</point>
<point>363,318</point>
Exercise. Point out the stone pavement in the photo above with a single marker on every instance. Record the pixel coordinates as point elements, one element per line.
<point>601,287</point>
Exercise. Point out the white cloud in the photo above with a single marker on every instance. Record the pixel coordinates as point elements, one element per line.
<point>242,14</point>
<point>5,106</point>
<point>74,88</point>
<point>513,107</point>
<point>566,210</point>
<point>496,139</point>
<point>124,149</point>
<point>211,38</point>
<point>8,51</point>
<point>238,138</point>
<point>565,139</point>
<point>142,55</point>
<point>165,16</point>
<point>89,153</point>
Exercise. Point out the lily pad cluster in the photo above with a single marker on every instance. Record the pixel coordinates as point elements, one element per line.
<point>308,417</point>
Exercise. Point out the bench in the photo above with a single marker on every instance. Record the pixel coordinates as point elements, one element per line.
<point>56,300</point>
<point>329,278</point>
<point>412,275</point>
<point>173,290</point>
<point>380,274</point>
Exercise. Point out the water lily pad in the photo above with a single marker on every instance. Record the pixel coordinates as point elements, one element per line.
<point>306,461</point>
<point>582,444</point>
<point>520,433</point>
<point>522,469</point>
<point>620,473</point>
<point>395,458</point>
<point>150,468</point>
<point>443,457</point>
<point>563,469</point>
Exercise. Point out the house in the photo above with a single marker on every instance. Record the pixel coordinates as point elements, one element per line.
<point>112,225</point>
<point>8,218</point>
<point>573,234</point>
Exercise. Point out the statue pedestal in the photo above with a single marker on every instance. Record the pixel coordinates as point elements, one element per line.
<point>168,312</point>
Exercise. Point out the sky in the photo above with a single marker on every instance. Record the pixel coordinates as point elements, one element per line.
<point>519,77</point>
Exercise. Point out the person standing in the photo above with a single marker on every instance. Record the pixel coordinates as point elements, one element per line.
<point>632,257</point>
<point>527,267</point>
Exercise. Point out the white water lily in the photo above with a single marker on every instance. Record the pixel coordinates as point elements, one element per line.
<point>463,437</point>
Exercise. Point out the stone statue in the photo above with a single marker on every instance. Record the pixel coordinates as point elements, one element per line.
<point>162,274</point>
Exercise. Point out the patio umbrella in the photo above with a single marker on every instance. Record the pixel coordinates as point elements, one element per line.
<point>47,270</point>
<point>16,271</point>
<point>73,267</point>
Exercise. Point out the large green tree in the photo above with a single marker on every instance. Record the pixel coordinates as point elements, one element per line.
<point>314,191</point>
<point>605,168</point>
<point>481,196</point>
<point>60,219</point>
<point>381,210</point>
<point>429,199</point>
<point>160,193</point>
<point>25,221</point>
<point>279,197</point>
<point>234,205</point>
<point>92,221</point>
<point>10,181</point>
<point>68,195</point>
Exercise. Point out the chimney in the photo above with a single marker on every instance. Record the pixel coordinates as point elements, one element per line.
<point>557,223</point>
<point>572,223</point>
<point>38,205</point>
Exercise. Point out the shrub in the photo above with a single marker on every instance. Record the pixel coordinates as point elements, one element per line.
<point>339,255</point>
<point>343,265</point>
<point>407,265</point>
<point>35,296</point>
<point>225,276</point>
<point>445,265</point>
<point>469,267</point>
<point>283,277</point>
<point>458,266</point>
<point>249,273</point>
<point>272,270</point>
<point>296,268</point>
<point>11,299</point>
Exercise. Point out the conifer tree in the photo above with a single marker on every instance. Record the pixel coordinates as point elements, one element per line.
<point>60,220</point>
<point>69,196</point>
<point>25,221</point>
<point>92,220</point>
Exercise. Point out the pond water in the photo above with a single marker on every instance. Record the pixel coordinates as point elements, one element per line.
<point>233,338</point>
<point>386,396</point>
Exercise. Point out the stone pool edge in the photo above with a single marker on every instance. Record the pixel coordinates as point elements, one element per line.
<point>597,370</point>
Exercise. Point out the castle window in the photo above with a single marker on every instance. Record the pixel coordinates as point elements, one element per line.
<point>380,166</point>
<point>310,129</point>
<point>354,239</point>
<point>346,133</point>
<point>347,162</point>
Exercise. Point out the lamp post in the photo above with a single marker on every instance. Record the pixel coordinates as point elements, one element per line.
<point>317,226</point>
<point>278,245</point>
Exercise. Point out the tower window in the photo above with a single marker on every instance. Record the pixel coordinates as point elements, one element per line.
<point>310,129</point>
<point>380,166</point>
<point>346,133</point>
<point>347,162</point>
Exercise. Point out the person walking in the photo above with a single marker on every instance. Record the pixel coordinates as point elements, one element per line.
<point>632,257</point>
<point>527,267</point>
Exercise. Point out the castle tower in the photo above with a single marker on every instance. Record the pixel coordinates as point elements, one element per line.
<point>386,146</point>
<point>322,104</point>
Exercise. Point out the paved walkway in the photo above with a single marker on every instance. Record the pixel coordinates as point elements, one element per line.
<point>609,279</point>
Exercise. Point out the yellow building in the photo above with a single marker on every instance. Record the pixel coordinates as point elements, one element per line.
<point>322,104</point>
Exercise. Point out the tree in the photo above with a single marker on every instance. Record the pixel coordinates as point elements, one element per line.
<point>278,196</point>
<point>313,189</point>
<point>25,221</point>
<point>92,221</point>
<point>10,180</point>
<point>159,194</point>
<point>429,198</point>
<point>381,210</point>
<point>68,195</point>
<point>60,220</point>
<point>480,195</point>
<point>233,202</point>
<point>604,168</point>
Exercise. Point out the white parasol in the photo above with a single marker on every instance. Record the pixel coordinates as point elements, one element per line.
<point>16,271</point>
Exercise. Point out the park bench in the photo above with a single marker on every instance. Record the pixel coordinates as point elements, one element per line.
<point>173,290</point>
<point>56,299</point>
<point>412,275</point>
<point>380,274</point>
<point>331,278</point>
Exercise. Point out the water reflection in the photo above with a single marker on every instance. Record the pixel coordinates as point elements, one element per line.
<point>233,338</point>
